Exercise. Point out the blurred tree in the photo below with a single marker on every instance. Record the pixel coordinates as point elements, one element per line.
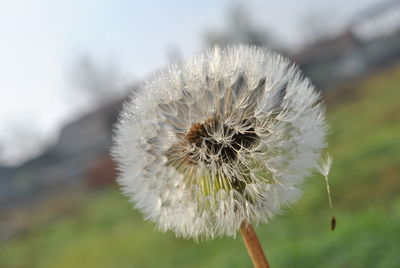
<point>98,82</point>
<point>241,30</point>
<point>314,26</point>
<point>174,54</point>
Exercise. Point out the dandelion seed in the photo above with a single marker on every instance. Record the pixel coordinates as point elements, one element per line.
<point>324,167</point>
<point>228,136</point>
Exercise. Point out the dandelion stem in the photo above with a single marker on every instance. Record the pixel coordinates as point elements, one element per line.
<point>253,245</point>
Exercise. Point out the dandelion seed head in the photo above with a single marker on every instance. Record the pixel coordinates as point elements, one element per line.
<point>227,135</point>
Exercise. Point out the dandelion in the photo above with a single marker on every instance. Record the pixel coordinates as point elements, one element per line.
<point>221,141</point>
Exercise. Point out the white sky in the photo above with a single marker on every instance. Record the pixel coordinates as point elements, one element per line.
<point>39,39</point>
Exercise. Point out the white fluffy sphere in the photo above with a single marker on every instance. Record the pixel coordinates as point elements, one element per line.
<point>228,135</point>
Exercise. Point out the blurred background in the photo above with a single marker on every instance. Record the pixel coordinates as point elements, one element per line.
<point>67,66</point>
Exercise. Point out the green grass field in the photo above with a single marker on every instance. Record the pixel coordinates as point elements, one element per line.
<point>365,143</point>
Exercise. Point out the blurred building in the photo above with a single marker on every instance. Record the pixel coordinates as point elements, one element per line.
<point>370,42</point>
<point>79,158</point>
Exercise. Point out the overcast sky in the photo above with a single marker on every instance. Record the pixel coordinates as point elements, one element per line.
<point>39,40</point>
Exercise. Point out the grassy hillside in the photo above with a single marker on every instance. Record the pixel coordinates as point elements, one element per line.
<point>365,144</point>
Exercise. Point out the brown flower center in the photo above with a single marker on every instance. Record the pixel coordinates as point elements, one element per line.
<point>222,150</point>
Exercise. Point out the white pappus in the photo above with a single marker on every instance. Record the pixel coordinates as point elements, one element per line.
<point>225,136</point>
